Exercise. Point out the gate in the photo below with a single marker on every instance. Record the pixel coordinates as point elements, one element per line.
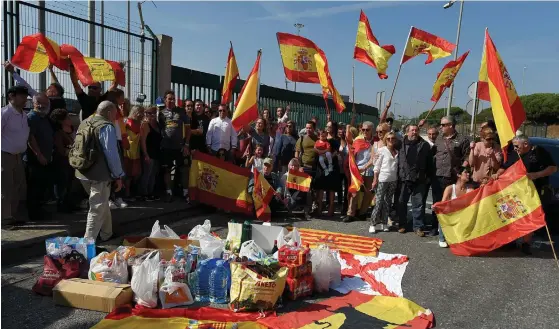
<point>23,18</point>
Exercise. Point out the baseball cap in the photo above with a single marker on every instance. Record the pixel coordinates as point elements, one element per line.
<point>268,161</point>
<point>159,102</point>
<point>18,90</point>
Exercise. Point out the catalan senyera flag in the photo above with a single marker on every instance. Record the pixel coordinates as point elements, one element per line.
<point>353,244</point>
<point>219,184</point>
<point>299,181</point>
<point>492,215</point>
<point>262,194</point>
<point>246,108</point>
<point>506,106</point>
<point>35,52</point>
<point>367,49</point>
<point>297,55</point>
<point>355,310</point>
<point>446,77</point>
<point>126,317</point>
<point>90,70</point>
<point>231,76</point>
<point>326,81</point>
<point>421,42</point>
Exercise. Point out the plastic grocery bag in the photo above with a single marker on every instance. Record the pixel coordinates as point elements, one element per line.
<point>173,294</point>
<point>326,269</point>
<point>252,251</point>
<point>234,233</point>
<point>200,231</point>
<point>108,268</point>
<point>289,238</point>
<point>211,247</point>
<point>165,233</point>
<point>144,280</point>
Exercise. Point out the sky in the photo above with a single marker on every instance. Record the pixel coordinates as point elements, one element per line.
<point>525,34</point>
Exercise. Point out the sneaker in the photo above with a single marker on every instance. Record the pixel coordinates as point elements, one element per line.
<point>433,232</point>
<point>385,228</point>
<point>169,198</point>
<point>372,229</point>
<point>419,233</point>
<point>150,198</point>
<point>156,197</point>
<point>326,172</point>
<point>130,199</point>
<point>187,198</point>
<point>401,230</point>
<point>113,205</point>
<point>443,244</point>
<point>120,203</point>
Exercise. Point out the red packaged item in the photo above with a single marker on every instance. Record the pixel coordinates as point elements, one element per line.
<point>56,269</point>
<point>297,271</point>
<point>293,255</point>
<point>299,287</point>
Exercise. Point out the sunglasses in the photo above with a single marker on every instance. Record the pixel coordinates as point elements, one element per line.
<point>516,147</point>
<point>390,139</point>
<point>365,130</point>
<point>446,124</point>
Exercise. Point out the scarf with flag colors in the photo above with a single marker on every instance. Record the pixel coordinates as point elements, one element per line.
<point>421,42</point>
<point>355,310</point>
<point>297,54</point>
<point>219,184</point>
<point>299,181</point>
<point>360,144</point>
<point>262,194</point>
<point>326,81</point>
<point>35,52</point>
<point>367,49</point>
<point>446,77</point>
<point>231,76</point>
<point>354,244</point>
<point>246,108</point>
<point>493,215</point>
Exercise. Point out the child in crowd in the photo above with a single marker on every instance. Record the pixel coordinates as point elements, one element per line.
<point>257,160</point>
<point>323,148</point>
<point>222,154</point>
<point>132,160</point>
<point>291,196</point>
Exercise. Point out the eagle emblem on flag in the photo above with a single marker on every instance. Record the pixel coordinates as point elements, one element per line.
<point>509,207</point>
<point>303,61</point>
<point>208,179</point>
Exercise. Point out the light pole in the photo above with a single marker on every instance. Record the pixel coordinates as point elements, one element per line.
<point>523,72</point>
<point>418,105</point>
<point>298,26</point>
<point>446,6</point>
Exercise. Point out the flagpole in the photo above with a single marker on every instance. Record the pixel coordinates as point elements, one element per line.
<point>385,112</point>
<point>353,95</point>
<point>422,121</point>
<point>258,55</point>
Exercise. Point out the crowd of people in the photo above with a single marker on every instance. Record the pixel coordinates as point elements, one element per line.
<point>127,153</point>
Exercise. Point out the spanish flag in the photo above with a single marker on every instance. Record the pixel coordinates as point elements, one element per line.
<point>492,215</point>
<point>262,194</point>
<point>299,181</point>
<point>505,104</point>
<point>421,42</point>
<point>297,54</point>
<point>356,180</point>
<point>446,77</point>
<point>353,244</point>
<point>367,49</point>
<point>90,70</point>
<point>219,184</point>
<point>355,310</point>
<point>126,317</point>
<point>231,76</point>
<point>35,52</point>
<point>246,108</point>
<point>326,81</point>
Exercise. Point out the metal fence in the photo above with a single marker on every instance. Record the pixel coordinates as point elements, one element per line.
<point>192,84</point>
<point>22,18</point>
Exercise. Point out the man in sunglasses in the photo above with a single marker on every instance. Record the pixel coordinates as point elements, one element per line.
<point>198,125</point>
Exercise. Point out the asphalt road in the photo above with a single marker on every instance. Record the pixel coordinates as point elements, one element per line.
<point>502,290</point>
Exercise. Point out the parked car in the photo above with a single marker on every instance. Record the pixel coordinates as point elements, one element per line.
<point>552,210</point>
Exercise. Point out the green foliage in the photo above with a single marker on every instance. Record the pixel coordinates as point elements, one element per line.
<point>541,108</point>
<point>457,112</point>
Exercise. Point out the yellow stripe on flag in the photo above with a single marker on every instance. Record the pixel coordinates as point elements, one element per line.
<point>297,58</point>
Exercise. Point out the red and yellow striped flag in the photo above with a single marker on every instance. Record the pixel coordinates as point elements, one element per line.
<point>421,42</point>
<point>353,244</point>
<point>446,77</point>
<point>262,194</point>
<point>505,103</point>
<point>246,108</point>
<point>90,70</point>
<point>367,49</point>
<point>326,81</point>
<point>297,180</point>
<point>356,179</point>
<point>297,54</point>
<point>230,78</point>
<point>493,215</point>
<point>35,52</point>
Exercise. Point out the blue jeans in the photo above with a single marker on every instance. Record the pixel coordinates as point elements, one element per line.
<point>438,185</point>
<point>417,192</point>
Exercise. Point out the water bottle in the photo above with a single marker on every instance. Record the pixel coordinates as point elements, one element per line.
<point>90,247</point>
<point>219,280</point>
<point>202,281</point>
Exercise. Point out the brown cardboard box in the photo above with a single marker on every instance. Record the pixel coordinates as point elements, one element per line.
<point>166,247</point>
<point>92,295</point>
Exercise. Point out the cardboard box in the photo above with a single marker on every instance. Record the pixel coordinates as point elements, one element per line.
<point>297,271</point>
<point>297,288</point>
<point>92,295</point>
<point>166,247</point>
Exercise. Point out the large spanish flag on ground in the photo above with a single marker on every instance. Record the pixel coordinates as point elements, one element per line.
<point>326,81</point>
<point>493,215</point>
<point>246,108</point>
<point>506,106</point>
<point>299,181</point>
<point>35,52</point>
<point>446,77</point>
<point>367,49</point>
<point>231,76</point>
<point>353,244</point>
<point>262,194</point>
<point>90,70</point>
<point>421,42</point>
<point>355,310</point>
<point>219,184</point>
<point>297,55</point>
<point>126,317</point>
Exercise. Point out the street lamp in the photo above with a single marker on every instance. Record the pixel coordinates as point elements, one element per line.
<point>298,26</point>
<point>523,72</point>
<point>446,6</point>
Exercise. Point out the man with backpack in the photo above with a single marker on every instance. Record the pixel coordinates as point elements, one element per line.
<point>95,157</point>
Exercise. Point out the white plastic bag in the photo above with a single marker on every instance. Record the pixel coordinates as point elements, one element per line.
<point>200,231</point>
<point>289,238</point>
<point>326,269</point>
<point>144,280</point>
<point>211,247</point>
<point>173,294</point>
<point>234,233</point>
<point>165,233</point>
<point>108,268</point>
<point>252,251</point>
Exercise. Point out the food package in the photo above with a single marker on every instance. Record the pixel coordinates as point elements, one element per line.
<point>172,293</point>
<point>234,233</point>
<point>252,251</point>
<point>326,269</point>
<point>299,287</point>
<point>293,255</point>
<point>165,233</point>
<point>145,279</point>
<point>297,271</point>
<point>108,268</point>
<point>291,239</point>
<point>252,291</point>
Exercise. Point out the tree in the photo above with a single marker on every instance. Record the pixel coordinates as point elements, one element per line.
<point>457,112</point>
<point>542,107</point>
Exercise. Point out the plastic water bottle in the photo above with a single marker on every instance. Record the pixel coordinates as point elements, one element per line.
<point>203,281</point>
<point>219,280</point>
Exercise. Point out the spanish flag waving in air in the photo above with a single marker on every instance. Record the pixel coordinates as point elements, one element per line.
<point>90,70</point>
<point>421,42</point>
<point>35,52</point>
<point>446,77</point>
<point>231,76</point>
<point>367,49</point>
<point>326,81</point>
<point>299,181</point>
<point>246,108</point>
<point>297,55</point>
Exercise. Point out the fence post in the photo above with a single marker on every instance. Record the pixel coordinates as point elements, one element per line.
<point>164,63</point>
<point>42,24</point>
<point>91,38</point>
